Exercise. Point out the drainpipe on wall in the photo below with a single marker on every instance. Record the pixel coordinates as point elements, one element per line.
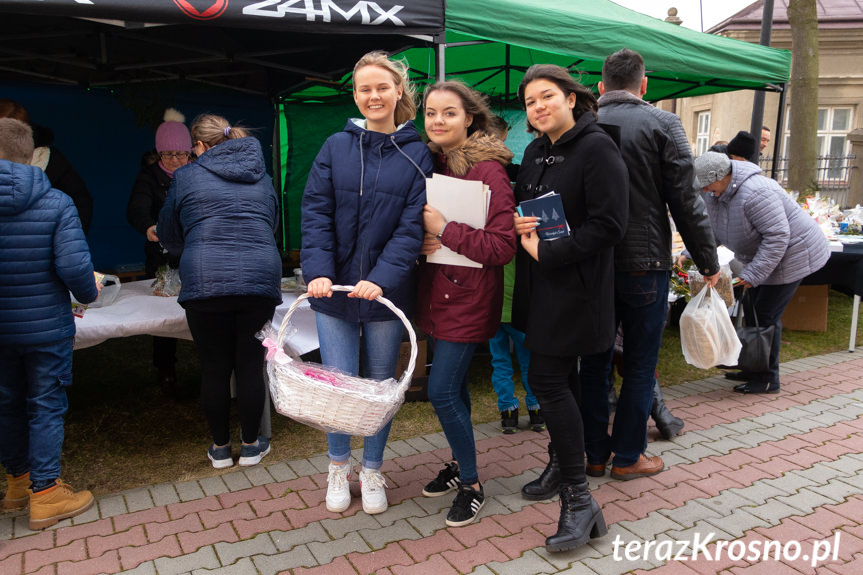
<point>673,18</point>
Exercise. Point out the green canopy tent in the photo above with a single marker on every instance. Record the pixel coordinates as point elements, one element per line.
<point>490,44</point>
<point>681,62</point>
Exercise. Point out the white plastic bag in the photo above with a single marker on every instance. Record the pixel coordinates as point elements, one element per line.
<point>707,335</point>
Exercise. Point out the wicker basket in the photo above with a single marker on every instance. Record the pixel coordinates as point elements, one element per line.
<point>335,402</point>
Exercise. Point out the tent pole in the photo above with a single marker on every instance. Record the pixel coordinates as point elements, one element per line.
<point>758,101</point>
<point>506,71</point>
<point>777,131</point>
<point>441,61</point>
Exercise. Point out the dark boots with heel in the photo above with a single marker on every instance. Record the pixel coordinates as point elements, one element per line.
<point>580,519</point>
<point>548,483</point>
<point>668,425</point>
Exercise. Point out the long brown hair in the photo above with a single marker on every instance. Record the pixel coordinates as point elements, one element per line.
<point>474,103</point>
<point>585,101</point>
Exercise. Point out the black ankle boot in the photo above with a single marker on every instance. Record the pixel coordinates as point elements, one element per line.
<point>580,519</point>
<point>668,425</point>
<point>548,483</point>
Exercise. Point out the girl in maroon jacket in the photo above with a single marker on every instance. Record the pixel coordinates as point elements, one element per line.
<point>458,306</point>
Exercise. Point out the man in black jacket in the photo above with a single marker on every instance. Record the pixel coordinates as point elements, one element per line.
<point>662,180</point>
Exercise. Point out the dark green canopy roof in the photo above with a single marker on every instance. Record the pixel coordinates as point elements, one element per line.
<point>580,34</point>
<point>491,43</point>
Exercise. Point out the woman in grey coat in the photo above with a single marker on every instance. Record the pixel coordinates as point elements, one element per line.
<point>778,242</point>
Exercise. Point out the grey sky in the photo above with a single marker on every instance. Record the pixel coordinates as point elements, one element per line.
<point>688,10</point>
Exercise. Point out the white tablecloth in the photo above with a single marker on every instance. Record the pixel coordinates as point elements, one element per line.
<point>136,311</point>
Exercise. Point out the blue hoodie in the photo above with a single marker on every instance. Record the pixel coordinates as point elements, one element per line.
<point>220,217</point>
<point>43,255</point>
<point>362,217</point>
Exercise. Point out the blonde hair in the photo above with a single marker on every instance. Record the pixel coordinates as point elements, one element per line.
<point>406,107</point>
<point>16,141</point>
<point>213,130</point>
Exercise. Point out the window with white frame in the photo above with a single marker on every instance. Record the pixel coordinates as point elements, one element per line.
<point>834,123</point>
<point>702,133</point>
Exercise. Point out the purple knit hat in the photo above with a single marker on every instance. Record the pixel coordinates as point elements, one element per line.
<point>172,134</point>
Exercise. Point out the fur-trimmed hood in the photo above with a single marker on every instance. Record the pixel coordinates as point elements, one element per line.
<point>479,147</point>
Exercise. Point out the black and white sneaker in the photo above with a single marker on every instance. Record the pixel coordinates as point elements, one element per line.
<point>466,506</point>
<point>446,480</point>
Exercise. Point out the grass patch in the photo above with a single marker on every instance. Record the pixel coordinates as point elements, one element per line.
<point>121,433</point>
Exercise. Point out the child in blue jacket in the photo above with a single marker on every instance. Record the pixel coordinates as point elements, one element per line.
<point>44,256</point>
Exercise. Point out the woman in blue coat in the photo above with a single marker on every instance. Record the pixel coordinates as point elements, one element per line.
<point>363,226</point>
<point>220,218</point>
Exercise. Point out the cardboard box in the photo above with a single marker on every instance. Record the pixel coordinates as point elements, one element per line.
<point>418,391</point>
<point>807,310</point>
<point>405,355</point>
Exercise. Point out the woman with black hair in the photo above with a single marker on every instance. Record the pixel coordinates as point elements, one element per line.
<point>564,296</point>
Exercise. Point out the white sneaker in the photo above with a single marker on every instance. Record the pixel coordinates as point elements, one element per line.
<point>338,487</point>
<point>373,487</point>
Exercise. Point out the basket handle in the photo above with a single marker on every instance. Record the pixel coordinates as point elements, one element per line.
<point>411,334</point>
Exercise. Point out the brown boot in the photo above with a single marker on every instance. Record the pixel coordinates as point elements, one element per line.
<point>644,467</point>
<point>55,503</point>
<point>16,493</point>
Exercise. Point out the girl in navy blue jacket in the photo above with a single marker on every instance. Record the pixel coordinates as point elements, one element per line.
<point>220,218</point>
<point>362,226</point>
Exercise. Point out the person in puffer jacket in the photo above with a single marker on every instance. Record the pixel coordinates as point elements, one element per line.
<point>779,243</point>
<point>362,226</point>
<point>43,257</point>
<point>459,306</point>
<point>220,219</point>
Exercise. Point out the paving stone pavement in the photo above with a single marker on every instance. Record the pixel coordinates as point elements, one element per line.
<point>757,484</point>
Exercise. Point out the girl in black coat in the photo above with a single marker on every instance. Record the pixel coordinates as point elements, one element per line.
<point>564,293</point>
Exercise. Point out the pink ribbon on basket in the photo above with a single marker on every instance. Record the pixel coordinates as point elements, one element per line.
<point>321,375</point>
<point>275,352</point>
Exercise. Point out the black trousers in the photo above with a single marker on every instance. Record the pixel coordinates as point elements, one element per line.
<point>768,303</point>
<point>554,381</point>
<point>224,333</point>
<point>164,348</point>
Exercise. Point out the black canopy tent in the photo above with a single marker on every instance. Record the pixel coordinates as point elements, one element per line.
<point>255,47</point>
<point>82,65</point>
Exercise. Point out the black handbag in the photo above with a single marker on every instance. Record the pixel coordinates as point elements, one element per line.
<point>756,342</point>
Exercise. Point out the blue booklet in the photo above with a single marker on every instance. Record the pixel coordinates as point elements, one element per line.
<point>549,209</point>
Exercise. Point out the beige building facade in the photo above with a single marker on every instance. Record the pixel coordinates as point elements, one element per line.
<point>718,117</point>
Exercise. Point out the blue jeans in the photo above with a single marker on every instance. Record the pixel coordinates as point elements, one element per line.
<point>32,405</point>
<point>341,347</point>
<point>449,395</point>
<point>641,299</point>
<point>768,302</point>
<point>502,370</point>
